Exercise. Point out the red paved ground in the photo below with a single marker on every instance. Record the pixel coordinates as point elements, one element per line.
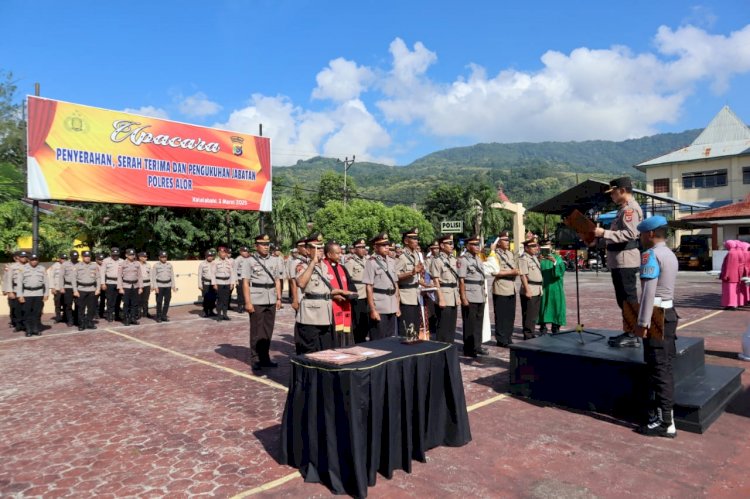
<point>173,410</point>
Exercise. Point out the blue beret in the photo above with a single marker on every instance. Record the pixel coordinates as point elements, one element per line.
<point>652,223</point>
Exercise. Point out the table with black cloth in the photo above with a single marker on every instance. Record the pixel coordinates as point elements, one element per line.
<point>343,424</point>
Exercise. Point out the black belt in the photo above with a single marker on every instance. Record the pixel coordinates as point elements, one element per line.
<point>206,281</point>
<point>632,244</point>
<point>264,286</point>
<point>318,296</point>
<point>86,283</point>
<point>357,282</point>
<point>508,278</point>
<point>164,282</point>
<point>37,288</point>
<point>381,291</point>
<point>408,286</point>
<point>538,283</point>
<point>222,278</point>
<point>130,282</point>
<point>467,281</point>
<point>111,279</point>
<point>67,283</point>
<point>448,285</point>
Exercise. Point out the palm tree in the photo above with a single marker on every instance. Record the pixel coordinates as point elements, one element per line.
<point>288,220</point>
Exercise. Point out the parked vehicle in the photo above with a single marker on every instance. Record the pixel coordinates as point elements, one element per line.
<point>693,253</point>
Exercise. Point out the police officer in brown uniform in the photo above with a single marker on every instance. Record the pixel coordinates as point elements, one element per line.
<point>163,282</point>
<point>102,300</point>
<point>409,269</point>
<point>204,284</point>
<point>504,289</point>
<point>444,273</point>
<point>300,256</point>
<point>433,250</point>
<point>86,288</point>
<point>146,294</point>
<point>623,255</point>
<point>355,265</point>
<point>222,279</point>
<point>130,285</point>
<point>53,277</point>
<point>531,286</point>
<point>110,270</point>
<point>32,290</point>
<point>381,281</point>
<point>65,283</point>
<point>239,270</point>
<point>314,324</point>
<point>10,281</point>
<point>473,293</point>
<point>261,282</point>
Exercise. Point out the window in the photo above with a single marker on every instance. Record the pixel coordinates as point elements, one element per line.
<point>746,174</point>
<point>661,186</point>
<point>698,180</point>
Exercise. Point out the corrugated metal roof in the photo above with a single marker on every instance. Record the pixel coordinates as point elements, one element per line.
<point>735,210</point>
<point>726,135</point>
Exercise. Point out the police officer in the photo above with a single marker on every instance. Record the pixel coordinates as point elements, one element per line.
<point>531,286</point>
<point>433,250</point>
<point>444,273</point>
<point>53,277</point>
<point>301,256</point>
<point>261,281</point>
<point>86,287</point>
<point>102,301</point>
<point>32,290</point>
<point>314,322</point>
<point>381,281</point>
<point>658,275</point>
<point>623,256</point>
<point>222,279</point>
<point>409,268</point>
<point>204,284</point>
<point>10,282</point>
<point>130,285</point>
<point>65,283</point>
<point>473,293</point>
<point>239,270</point>
<point>110,271</point>
<point>163,282</point>
<point>355,265</point>
<point>504,289</point>
<point>146,294</point>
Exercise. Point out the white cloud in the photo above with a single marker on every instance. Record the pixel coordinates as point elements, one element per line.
<point>150,111</point>
<point>342,80</point>
<point>197,105</point>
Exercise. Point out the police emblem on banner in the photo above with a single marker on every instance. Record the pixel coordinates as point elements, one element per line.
<point>237,145</point>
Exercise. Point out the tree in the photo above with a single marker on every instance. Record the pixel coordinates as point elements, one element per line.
<point>331,188</point>
<point>288,220</point>
<point>12,126</point>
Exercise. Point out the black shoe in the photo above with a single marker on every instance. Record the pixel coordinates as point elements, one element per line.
<point>482,351</point>
<point>81,328</point>
<point>212,314</point>
<point>158,319</point>
<point>225,318</point>
<point>256,366</point>
<point>165,319</point>
<point>28,334</point>
<point>269,363</point>
<point>218,318</point>
<point>504,345</point>
<point>126,322</point>
<point>69,324</point>
<point>135,323</point>
<point>92,326</point>
<point>624,340</point>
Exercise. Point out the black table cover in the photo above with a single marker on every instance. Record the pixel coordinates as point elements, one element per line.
<point>344,424</point>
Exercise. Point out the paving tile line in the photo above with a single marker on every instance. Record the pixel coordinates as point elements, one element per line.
<point>229,370</point>
<point>713,314</point>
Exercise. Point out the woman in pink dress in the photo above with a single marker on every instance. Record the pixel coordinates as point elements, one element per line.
<point>731,271</point>
<point>744,284</point>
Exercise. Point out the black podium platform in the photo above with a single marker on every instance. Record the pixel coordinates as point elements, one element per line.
<point>599,378</point>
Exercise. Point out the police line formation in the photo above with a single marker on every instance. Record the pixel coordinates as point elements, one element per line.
<point>342,299</point>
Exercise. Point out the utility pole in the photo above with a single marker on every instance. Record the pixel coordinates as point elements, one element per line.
<point>347,164</point>
<point>260,213</point>
<point>35,204</point>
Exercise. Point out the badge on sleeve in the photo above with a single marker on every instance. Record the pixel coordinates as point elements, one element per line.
<point>649,265</point>
<point>629,215</point>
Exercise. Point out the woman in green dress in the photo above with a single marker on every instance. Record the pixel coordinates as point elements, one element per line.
<point>552,309</point>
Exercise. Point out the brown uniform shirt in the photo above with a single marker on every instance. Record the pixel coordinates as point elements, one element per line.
<point>204,273</point>
<point>222,272</point>
<point>375,275</point>
<point>32,281</point>
<point>471,270</point>
<point>110,269</point>
<point>530,267</point>
<point>623,231</point>
<point>444,268</point>
<point>505,286</point>
<point>315,300</point>
<point>162,276</point>
<point>87,277</point>
<point>356,267</point>
<point>131,275</point>
<point>408,289</point>
<point>262,285</point>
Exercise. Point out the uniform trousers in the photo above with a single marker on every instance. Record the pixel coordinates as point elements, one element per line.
<point>71,316</point>
<point>431,315</point>
<point>163,297</point>
<point>360,320</point>
<point>311,338</point>
<point>659,357</point>
<point>530,314</point>
<point>222,299</point>
<point>102,304</point>
<point>130,304</point>
<point>59,309</point>
<point>86,305</point>
<point>625,288</point>
<point>114,302</point>
<point>16,313</point>
<point>473,317</point>
<point>505,316</point>
<point>32,313</point>
<point>446,323</point>
<point>409,320</point>
<point>261,330</point>
<point>384,328</point>
<point>240,295</point>
<point>209,299</point>
<point>143,301</point>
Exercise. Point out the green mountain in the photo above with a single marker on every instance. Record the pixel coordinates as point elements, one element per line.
<point>527,172</point>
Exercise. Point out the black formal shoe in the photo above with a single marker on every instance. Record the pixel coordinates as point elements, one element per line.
<point>69,324</point>
<point>269,363</point>
<point>482,351</point>
<point>256,366</point>
<point>28,334</point>
<point>212,314</point>
<point>135,323</point>
<point>504,345</point>
<point>225,318</point>
<point>624,340</point>
<point>218,318</point>
<point>165,319</point>
<point>126,322</point>
<point>92,326</point>
<point>81,328</point>
<point>158,319</point>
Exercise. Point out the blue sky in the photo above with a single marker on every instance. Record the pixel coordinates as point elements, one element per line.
<point>391,81</point>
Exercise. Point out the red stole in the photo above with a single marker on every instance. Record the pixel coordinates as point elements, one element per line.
<point>342,311</point>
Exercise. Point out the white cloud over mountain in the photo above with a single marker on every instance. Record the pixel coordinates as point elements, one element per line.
<point>150,111</point>
<point>197,105</point>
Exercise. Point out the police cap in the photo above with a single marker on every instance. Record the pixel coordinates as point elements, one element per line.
<point>619,183</point>
<point>504,235</point>
<point>130,251</point>
<point>380,239</point>
<point>314,239</point>
<point>162,254</point>
<point>359,243</point>
<point>34,256</point>
<point>473,239</point>
<point>142,253</point>
<point>100,256</point>
<point>445,238</point>
<point>74,254</point>
<point>244,249</point>
<point>86,253</point>
<point>652,223</point>
<point>23,254</point>
<point>263,239</point>
<point>63,256</point>
<point>114,251</point>
<point>411,233</point>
